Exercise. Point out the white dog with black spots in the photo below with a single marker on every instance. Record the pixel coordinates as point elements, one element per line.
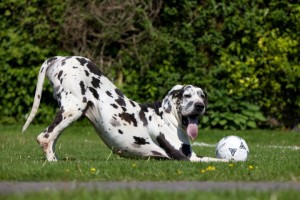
<point>157,130</point>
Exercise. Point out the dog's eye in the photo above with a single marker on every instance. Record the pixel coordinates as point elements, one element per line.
<point>187,96</point>
<point>202,96</point>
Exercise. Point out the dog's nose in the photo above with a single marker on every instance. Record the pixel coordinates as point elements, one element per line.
<point>199,107</point>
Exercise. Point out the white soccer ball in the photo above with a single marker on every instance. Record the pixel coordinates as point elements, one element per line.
<point>232,148</point>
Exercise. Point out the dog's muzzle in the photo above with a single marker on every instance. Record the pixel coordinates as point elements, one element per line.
<point>199,107</point>
<point>191,121</point>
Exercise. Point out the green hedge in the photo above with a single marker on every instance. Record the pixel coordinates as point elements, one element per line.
<point>29,34</point>
<point>245,54</point>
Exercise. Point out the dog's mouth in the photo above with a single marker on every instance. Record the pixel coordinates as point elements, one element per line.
<point>191,124</point>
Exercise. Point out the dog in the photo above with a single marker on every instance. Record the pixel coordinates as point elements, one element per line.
<point>156,130</point>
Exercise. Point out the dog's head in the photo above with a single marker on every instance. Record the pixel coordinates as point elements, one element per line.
<point>189,102</point>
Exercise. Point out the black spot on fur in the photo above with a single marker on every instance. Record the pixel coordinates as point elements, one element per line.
<point>143,107</point>
<point>88,106</point>
<point>168,108</point>
<point>161,114</point>
<point>186,150</point>
<point>187,87</point>
<point>93,68</point>
<point>82,61</point>
<point>84,100</point>
<point>64,60</point>
<point>132,103</point>
<point>50,60</point>
<point>121,102</point>
<point>140,141</point>
<point>119,93</point>
<point>82,86</point>
<point>150,118</point>
<point>95,82</point>
<point>121,132</point>
<point>94,92</point>
<point>114,105</point>
<point>155,106</point>
<point>170,150</point>
<point>109,94</point>
<point>129,118</point>
<point>46,135</point>
<point>59,74</point>
<point>39,96</point>
<point>143,117</point>
<point>124,109</point>
<point>58,96</point>
<point>86,73</point>
<point>57,120</point>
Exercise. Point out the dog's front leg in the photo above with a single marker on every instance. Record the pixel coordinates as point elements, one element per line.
<point>195,158</point>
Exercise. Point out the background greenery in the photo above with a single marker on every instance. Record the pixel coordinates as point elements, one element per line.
<point>245,54</point>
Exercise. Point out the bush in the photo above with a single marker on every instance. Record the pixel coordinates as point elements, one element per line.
<point>243,53</point>
<point>29,34</point>
<point>262,64</point>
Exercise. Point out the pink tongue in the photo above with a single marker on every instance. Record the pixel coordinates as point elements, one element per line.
<point>192,128</point>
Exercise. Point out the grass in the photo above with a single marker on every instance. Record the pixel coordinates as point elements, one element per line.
<point>145,195</point>
<point>84,157</point>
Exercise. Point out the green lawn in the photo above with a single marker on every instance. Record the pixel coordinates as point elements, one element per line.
<point>84,157</point>
<point>151,195</point>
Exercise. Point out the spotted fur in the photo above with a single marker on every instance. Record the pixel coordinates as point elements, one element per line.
<point>129,129</point>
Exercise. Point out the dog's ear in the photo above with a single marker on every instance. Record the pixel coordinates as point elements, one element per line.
<point>167,101</point>
<point>175,90</point>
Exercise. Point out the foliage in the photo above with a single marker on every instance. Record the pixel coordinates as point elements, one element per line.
<point>232,112</point>
<point>262,64</point>
<point>243,53</point>
<point>28,35</point>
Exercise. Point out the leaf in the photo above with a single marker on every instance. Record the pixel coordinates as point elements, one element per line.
<point>248,113</point>
<point>259,116</point>
<point>251,124</point>
<point>223,122</point>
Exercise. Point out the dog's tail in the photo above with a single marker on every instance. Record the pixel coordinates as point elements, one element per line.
<point>38,93</point>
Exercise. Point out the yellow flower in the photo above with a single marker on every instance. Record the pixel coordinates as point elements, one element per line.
<point>210,168</point>
<point>133,165</point>
<point>93,169</point>
<point>250,167</point>
<point>202,170</point>
<point>231,165</point>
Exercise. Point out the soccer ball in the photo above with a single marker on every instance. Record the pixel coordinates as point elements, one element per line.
<point>232,148</point>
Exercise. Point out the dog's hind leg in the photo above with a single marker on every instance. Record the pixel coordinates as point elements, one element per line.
<point>65,116</point>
